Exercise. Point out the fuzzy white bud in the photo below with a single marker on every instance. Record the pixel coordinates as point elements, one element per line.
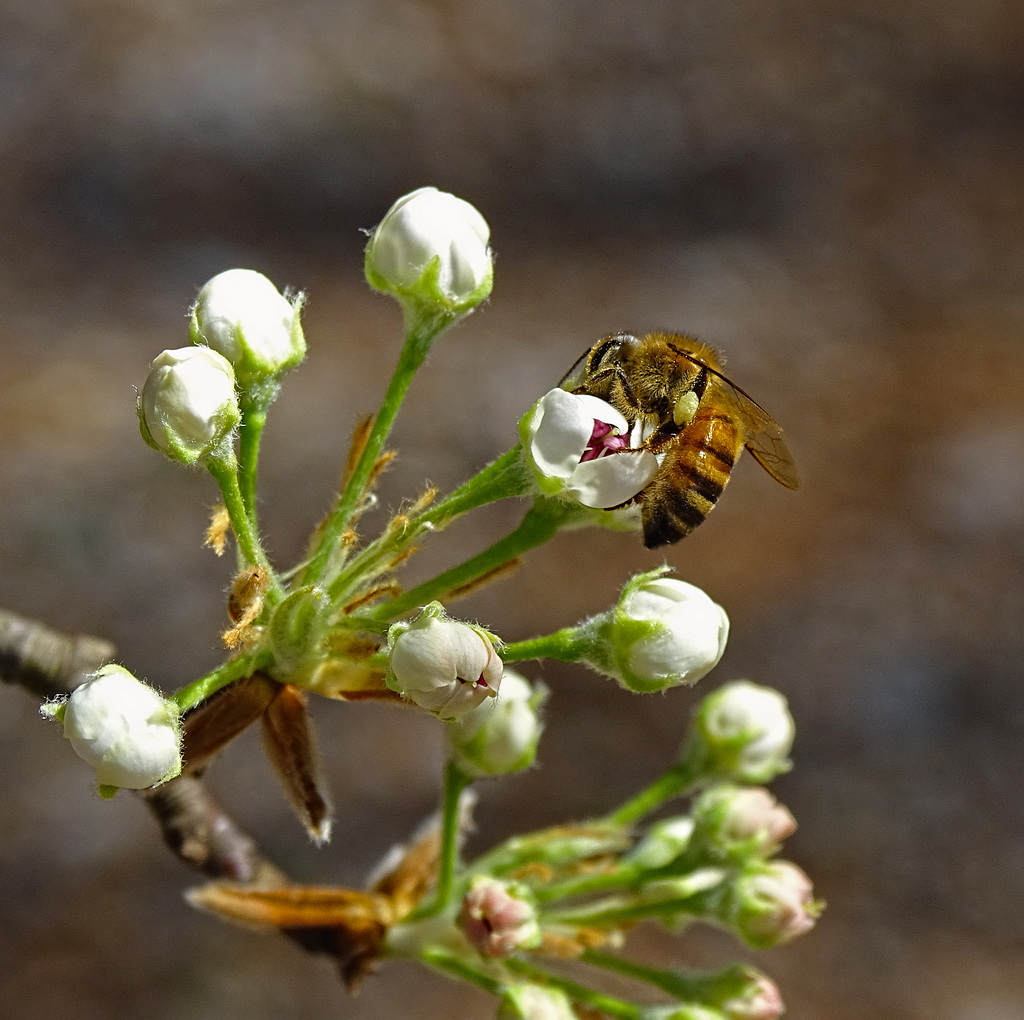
<point>121,727</point>
<point>442,665</point>
<point>188,404</point>
<point>746,731</point>
<point>243,317</point>
<point>663,632</point>
<point>501,734</point>
<point>432,247</point>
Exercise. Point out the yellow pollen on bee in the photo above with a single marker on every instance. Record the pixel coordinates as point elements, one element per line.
<point>685,409</point>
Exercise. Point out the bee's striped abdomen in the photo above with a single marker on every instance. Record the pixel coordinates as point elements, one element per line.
<point>692,476</point>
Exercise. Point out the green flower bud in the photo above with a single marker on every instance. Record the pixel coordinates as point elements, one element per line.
<point>534,1002</point>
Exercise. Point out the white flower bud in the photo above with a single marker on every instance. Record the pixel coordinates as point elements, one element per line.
<point>498,917</point>
<point>501,734</point>
<point>121,727</point>
<point>241,315</point>
<point>534,1002</point>
<point>760,1000</point>
<point>577,446</point>
<point>442,665</point>
<point>432,247</point>
<point>773,904</point>
<point>188,404</point>
<point>663,632</point>
<point>746,731</point>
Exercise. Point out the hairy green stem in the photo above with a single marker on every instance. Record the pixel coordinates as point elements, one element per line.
<point>539,525</point>
<point>422,332</point>
<point>684,777</point>
<point>457,967</point>
<point>610,1004</point>
<point>254,417</point>
<point>233,669</point>
<point>500,480</point>
<point>225,471</point>
<point>455,783</point>
<point>567,645</point>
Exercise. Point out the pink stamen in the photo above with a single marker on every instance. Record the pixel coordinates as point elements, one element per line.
<point>604,440</point>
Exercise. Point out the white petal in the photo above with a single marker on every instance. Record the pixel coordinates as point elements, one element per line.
<point>613,479</point>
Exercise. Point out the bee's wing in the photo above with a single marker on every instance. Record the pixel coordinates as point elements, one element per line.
<point>762,434</point>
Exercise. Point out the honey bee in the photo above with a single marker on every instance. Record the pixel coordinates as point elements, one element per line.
<point>690,415</point>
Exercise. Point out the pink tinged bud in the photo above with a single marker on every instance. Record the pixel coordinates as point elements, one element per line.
<point>496,919</point>
<point>755,812</point>
<point>761,1001</point>
<point>775,904</point>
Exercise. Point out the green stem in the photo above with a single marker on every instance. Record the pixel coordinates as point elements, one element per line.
<point>684,985</point>
<point>685,776</point>
<point>225,471</point>
<point>254,417</point>
<point>459,968</point>
<point>567,645</point>
<point>598,915</point>
<point>422,332</point>
<point>234,669</point>
<point>539,525</point>
<point>617,879</point>
<point>455,783</point>
<point>500,480</point>
<point>609,1004</point>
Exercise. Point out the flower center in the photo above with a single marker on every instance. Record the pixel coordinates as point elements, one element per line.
<point>604,440</point>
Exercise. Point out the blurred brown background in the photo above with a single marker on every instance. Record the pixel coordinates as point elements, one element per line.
<point>832,192</point>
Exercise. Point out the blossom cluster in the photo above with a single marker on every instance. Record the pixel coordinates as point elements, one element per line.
<point>340,624</point>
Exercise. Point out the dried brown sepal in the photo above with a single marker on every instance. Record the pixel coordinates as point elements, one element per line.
<point>559,947</point>
<point>491,575</point>
<point>45,661</point>
<point>297,906</point>
<point>214,723</point>
<point>535,871</point>
<point>379,467</point>
<point>414,871</point>
<point>353,646</point>
<point>424,500</point>
<point>245,599</point>
<point>349,680</point>
<point>360,435</point>
<point>217,532</point>
<point>290,744</point>
<point>346,923</point>
<point>402,556</point>
<point>391,588</point>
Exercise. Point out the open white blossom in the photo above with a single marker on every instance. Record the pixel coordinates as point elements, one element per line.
<point>432,246</point>
<point>578,448</point>
<point>747,731</point>
<point>442,665</point>
<point>665,632</point>
<point>241,315</point>
<point>121,727</point>
<point>188,404</point>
